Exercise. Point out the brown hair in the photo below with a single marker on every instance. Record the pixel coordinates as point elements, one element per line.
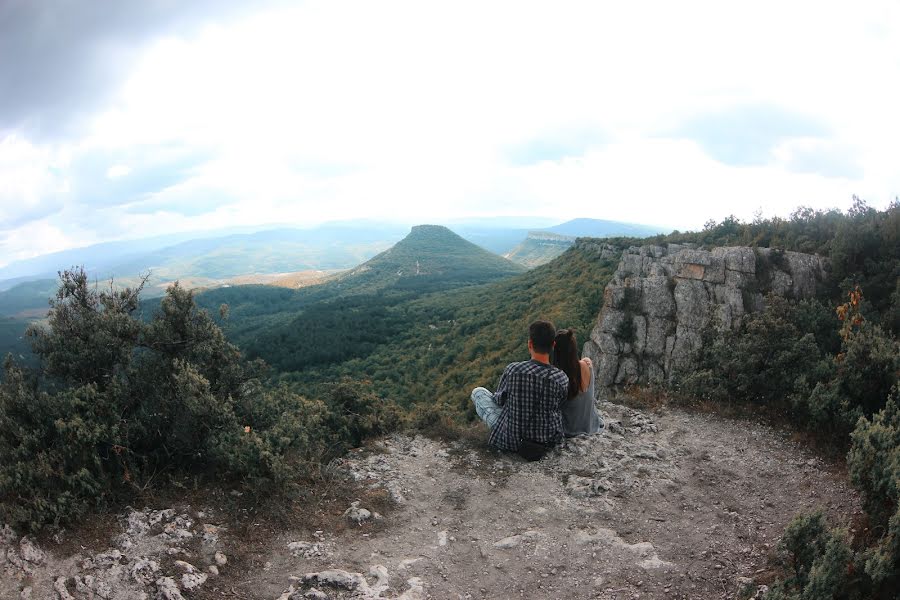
<point>565,357</point>
<point>541,334</point>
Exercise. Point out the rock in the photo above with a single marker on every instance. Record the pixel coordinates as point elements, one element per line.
<point>661,298</point>
<point>25,594</point>
<point>416,590</point>
<point>442,538</point>
<point>315,594</point>
<point>144,571</point>
<point>60,587</point>
<point>221,559</point>
<point>306,549</point>
<point>337,578</point>
<point>356,514</point>
<point>192,580</point>
<point>515,540</point>
<point>213,570</point>
<point>185,566</point>
<point>585,487</point>
<point>167,589</point>
<point>30,552</point>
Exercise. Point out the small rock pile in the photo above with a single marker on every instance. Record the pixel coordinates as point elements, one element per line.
<point>158,555</point>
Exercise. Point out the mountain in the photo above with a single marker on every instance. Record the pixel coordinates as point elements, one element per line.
<point>600,228</point>
<point>353,313</point>
<point>336,245</point>
<point>543,245</point>
<point>430,253</point>
<point>540,247</point>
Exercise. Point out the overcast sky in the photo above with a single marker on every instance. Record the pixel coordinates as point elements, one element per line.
<point>123,119</point>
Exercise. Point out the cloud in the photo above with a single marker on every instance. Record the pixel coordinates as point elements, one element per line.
<point>420,111</point>
<point>60,59</point>
<point>558,145</point>
<point>748,135</point>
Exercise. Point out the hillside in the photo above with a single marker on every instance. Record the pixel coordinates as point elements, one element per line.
<point>353,313</point>
<point>539,247</point>
<point>429,252</point>
<point>440,345</point>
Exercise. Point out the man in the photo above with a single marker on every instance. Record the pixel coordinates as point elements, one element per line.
<point>526,405</point>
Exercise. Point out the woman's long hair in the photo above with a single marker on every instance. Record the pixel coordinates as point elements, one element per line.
<point>565,357</point>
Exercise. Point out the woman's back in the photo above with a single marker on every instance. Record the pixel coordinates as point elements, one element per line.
<point>579,413</point>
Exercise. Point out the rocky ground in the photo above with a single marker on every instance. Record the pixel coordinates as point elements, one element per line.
<point>671,504</point>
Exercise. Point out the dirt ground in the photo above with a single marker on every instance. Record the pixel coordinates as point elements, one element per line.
<point>668,504</point>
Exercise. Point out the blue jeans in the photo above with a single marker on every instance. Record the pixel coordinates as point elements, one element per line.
<point>488,410</point>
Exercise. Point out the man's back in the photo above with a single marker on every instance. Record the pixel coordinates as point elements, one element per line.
<point>530,393</point>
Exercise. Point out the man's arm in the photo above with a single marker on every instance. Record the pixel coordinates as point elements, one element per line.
<point>502,392</point>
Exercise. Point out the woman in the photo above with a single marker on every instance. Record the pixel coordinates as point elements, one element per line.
<point>578,412</point>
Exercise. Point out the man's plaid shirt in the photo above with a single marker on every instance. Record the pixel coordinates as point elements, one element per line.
<point>530,393</point>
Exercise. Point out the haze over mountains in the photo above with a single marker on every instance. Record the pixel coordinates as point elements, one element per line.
<point>209,261</point>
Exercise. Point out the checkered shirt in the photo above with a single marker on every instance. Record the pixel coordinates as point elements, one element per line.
<point>530,393</point>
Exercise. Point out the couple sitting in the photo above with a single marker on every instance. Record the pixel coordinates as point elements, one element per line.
<point>538,401</point>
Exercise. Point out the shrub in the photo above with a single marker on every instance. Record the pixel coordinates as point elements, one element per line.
<point>821,563</point>
<point>764,360</point>
<point>117,401</point>
<point>874,462</point>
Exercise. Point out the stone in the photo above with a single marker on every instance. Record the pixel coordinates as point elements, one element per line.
<point>611,321</point>
<point>337,578</point>
<point>144,570</point>
<point>628,371</point>
<point>692,303</point>
<point>62,591</point>
<point>167,589</point>
<point>656,297</point>
<point>30,552</point>
<point>657,330</point>
<point>639,324</point>
<point>315,594</point>
<point>737,258</point>
<point>356,514</point>
<point>306,549</point>
<point>661,298</point>
<point>586,487</point>
<point>213,570</point>
<point>221,559</point>
<point>515,540</point>
<point>190,581</point>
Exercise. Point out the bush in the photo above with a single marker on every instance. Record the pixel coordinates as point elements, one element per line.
<point>762,362</point>
<point>874,462</point>
<point>118,401</point>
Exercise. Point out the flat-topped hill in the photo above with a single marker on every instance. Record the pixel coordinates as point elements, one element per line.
<point>429,252</point>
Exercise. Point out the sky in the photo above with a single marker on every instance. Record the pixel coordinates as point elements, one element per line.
<point>121,120</point>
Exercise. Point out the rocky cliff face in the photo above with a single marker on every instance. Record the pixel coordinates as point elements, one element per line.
<point>662,297</point>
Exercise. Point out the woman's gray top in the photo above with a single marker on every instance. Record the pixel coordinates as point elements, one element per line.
<point>579,414</point>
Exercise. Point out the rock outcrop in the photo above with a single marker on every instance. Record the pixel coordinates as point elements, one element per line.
<point>661,299</point>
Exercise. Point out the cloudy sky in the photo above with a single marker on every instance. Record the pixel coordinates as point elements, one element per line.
<point>124,119</point>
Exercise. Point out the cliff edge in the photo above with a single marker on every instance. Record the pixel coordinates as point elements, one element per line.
<point>661,298</point>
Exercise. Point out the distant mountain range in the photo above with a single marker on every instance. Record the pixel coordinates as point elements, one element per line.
<point>541,246</point>
<point>272,256</point>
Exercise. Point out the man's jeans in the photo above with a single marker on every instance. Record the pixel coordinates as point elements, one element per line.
<point>485,406</point>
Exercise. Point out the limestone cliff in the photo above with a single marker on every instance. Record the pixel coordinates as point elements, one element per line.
<point>662,297</point>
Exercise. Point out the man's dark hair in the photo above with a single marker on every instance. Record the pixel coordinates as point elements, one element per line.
<point>542,334</point>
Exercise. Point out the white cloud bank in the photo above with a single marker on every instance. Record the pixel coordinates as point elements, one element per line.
<point>652,112</point>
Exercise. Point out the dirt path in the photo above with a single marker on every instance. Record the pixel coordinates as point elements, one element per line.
<point>673,505</point>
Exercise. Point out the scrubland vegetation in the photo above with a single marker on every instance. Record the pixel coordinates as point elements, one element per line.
<point>122,401</point>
